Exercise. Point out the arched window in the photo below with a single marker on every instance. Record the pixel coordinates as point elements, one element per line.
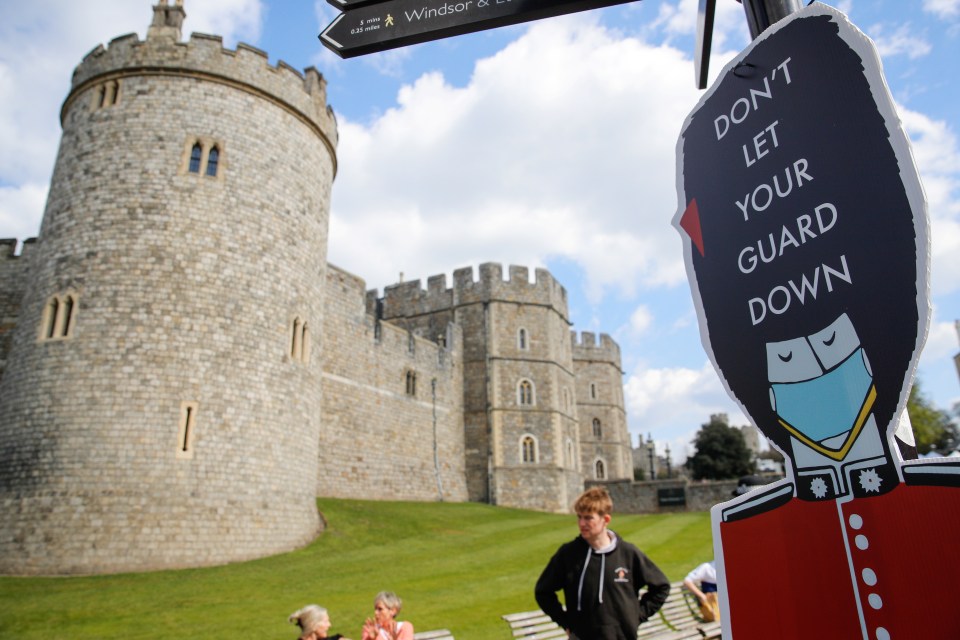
<point>107,94</point>
<point>213,158</point>
<point>196,153</point>
<point>597,431</point>
<point>599,470</point>
<point>59,317</point>
<point>525,393</point>
<point>528,449</point>
<point>571,459</point>
<point>522,339</point>
<point>411,383</point>
<point>299,341</point>
<point>205,157</point>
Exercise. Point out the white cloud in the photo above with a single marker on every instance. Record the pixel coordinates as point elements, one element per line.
<point>942,8</point>
<point>21,208</point>
<point>556,148</point>
<point>941,340</point>
<point>937,154</point>
<point>680,397</point>
<point>38,48</point>
<point>901,42</point>
<point>235,20</point>
<point>640,320</point>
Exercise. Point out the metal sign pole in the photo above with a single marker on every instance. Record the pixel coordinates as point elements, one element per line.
<point>763,13</point>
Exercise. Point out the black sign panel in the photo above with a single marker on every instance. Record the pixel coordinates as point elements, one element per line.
<point>397,23</point>
<point>347,5</point>
<point>672,497</point>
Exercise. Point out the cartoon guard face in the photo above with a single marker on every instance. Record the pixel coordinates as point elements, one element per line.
<point>821,388</point>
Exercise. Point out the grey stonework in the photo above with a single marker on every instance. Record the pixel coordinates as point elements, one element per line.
<point>642,497</point>
<point>217,374</point>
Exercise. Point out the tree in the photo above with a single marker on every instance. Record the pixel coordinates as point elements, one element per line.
<point>721,451</point>
<point>932,428</point>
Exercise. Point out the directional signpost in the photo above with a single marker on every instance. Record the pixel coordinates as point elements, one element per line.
<point>368,26</point>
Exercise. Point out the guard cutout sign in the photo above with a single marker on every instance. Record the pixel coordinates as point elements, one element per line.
<point>806,246</point>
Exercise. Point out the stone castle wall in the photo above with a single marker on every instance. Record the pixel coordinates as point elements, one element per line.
<point>600,398</point>
<point>14,271</point>
<point>171,427</point>
<point>383,437</point>
<point>216,374</point>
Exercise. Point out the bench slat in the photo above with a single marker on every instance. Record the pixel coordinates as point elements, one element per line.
<point>439,634</point>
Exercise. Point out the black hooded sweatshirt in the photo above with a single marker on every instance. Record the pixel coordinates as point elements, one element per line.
<point>601,589</point>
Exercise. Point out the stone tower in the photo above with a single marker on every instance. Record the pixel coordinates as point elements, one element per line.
<point>519,404</point>
<point>160,403</point>
<point>604,438</point>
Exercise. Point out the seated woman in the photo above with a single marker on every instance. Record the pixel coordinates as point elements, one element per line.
<point>702,582</point>
<point>384,624</point>
<point>314,622</point>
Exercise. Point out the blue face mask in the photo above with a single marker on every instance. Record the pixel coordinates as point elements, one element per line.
<point>828,405</point>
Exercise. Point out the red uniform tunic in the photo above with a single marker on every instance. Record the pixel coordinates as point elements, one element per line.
<point>877,568</point>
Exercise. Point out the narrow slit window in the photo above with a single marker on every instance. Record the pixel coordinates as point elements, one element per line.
<point>597,431</point>
<point>186,431</point>
<point>295,338</point>
<point>411,383</point>
<point>50,318</point>
<point>299,341</point>
<point>67,317</point>
<point>305,344</point>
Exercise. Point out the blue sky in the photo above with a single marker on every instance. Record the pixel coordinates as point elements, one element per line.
<point>549,144</point>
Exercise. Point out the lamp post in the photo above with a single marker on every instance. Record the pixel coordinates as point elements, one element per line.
<point>653,471</point>
<point>763,13</point>
<point>668,461</point>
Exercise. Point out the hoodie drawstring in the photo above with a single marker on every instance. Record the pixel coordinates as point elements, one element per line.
<point>603,569</point>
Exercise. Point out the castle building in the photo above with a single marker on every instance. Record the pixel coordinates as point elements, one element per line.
<point>182,372</point>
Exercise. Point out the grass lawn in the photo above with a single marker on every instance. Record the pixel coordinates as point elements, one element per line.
<point>456,566</point>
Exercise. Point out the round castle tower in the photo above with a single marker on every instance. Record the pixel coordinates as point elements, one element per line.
<point>160,404</point>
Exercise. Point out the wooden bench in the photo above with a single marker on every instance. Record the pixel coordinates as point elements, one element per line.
<point>438,634</point>
<point>678,619</point>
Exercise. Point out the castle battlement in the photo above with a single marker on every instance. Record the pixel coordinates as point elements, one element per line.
<point>409,298</point>
<point>204,57</point>
<point>585,347</point>
<point>8,248</point>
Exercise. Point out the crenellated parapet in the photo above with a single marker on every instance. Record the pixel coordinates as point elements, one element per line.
<point>586,347</point>
<point>408,299</point>
<point>8,248</point>
<point>204,57</point>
